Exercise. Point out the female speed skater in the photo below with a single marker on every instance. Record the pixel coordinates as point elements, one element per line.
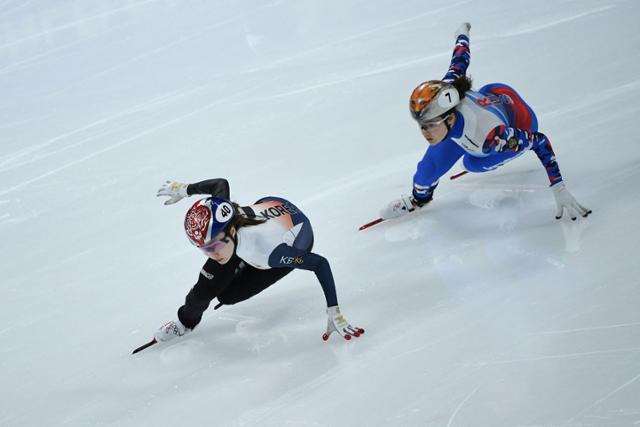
<point>249,248</point>
<point>487,128</point>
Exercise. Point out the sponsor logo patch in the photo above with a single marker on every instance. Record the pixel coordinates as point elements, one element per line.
<point>490,100</point>
<point>278,210</point>
<point>288,260</point>
<point>206,274</point>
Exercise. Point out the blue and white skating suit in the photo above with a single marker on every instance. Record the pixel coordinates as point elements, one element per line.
<point>493,126</point>
<point>285,239</point>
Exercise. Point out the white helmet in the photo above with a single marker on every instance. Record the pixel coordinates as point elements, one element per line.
<point>432,99</point>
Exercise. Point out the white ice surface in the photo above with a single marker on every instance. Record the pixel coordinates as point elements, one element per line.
<point>481,310</point>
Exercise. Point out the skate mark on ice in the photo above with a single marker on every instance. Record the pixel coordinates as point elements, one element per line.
<point>557,356</point>
<point>541,27</point>
<point>154,51</point>
<point>602,399</point>
<point>74,23</point>
<point>28,61</point>
<point>123,142</point>
<point>8,10</point>
<point>460,405</point>
<point>593,100</point>
<point>13,161</point>
<point>593,328</point>
<point>312,51</point>
<point>380,70</point>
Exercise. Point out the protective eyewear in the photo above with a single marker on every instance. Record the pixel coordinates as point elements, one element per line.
<point>216,245</point>
<point>432,124</point>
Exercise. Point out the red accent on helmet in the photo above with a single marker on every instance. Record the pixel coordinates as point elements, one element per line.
<point>196,223</point>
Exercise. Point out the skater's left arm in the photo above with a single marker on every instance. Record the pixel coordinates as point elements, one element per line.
<point>176,191</point>
<point>509,139</point>
<point>504,139</point>
<point>218,187</point>
<point>288,256</point>
<point>461,57</point>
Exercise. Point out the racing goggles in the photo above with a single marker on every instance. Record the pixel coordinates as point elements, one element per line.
<point>432,124</point>
<point>216,245</point>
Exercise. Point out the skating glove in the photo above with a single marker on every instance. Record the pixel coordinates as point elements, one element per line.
<point>337,323</point>
<point>171,330</point>
<point>565,200</point>
<point>463,29</point>
<point>175,190</point>
<point>400,207</point>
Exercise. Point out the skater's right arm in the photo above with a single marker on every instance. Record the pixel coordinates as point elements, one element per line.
<point>436,162</point>
<point>213,279</point>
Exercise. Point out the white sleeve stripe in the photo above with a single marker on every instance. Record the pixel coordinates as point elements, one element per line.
<point>424,187</point>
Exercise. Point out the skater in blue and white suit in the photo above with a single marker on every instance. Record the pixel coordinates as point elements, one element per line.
<point>487,128</point>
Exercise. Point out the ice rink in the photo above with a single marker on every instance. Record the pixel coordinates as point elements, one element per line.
<point>480,309</point>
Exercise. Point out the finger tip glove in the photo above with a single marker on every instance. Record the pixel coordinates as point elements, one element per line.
<point>337,323</point>
<point>463,29</point>
<point>565,202</point>
<point>175,190</point>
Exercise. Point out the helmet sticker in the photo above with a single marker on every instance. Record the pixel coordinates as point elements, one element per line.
<point>447,98</point>
<point>224,212</point>
<point>196,223</point>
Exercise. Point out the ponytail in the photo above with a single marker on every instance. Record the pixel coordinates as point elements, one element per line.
<point>241,219</point>
<point>462,85</point>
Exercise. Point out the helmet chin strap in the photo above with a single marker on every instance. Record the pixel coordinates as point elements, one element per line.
<point>446,121</point>
<point>234,239</point>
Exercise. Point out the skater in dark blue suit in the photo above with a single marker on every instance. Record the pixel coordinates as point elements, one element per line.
<point>249,248</point>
